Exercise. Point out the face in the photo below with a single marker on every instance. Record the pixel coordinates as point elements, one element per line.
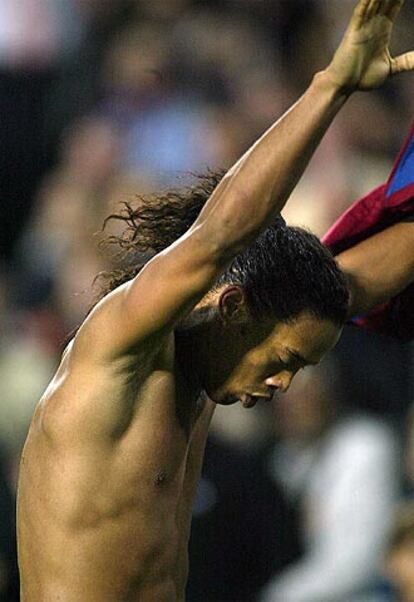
<point>254,361</point>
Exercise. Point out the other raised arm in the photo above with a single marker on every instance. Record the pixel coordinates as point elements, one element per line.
<point>379,268</point>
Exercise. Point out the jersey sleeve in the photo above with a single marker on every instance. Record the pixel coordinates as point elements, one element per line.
<point>386,205</point>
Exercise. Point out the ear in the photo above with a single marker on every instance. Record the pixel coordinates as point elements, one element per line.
<point>232,305</point>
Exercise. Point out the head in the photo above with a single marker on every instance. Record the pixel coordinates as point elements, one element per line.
<point>279,307</point>
<point>399,564</point>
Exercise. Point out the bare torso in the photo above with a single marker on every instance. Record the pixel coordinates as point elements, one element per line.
<point>114,452</point>
<point>104,514</point>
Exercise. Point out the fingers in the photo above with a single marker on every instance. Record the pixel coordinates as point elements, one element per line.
<point>366,9</point>
<point>361,11</point>
<point>374,8</point>
<point>392,8</point>
<point>402,63</point>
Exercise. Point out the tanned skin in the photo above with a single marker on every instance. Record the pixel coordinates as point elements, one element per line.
<point>115,448</point>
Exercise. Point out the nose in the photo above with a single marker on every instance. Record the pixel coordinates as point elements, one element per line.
<point>280,381</point>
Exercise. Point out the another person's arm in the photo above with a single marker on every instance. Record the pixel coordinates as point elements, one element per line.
<point>379,268</point>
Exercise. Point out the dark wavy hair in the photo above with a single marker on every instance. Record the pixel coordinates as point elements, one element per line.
<point>285,272</point>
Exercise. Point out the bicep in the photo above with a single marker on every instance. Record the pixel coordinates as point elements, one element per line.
<point>144,310</point>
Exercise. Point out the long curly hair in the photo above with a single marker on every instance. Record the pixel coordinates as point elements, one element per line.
<point>152,223</point>
<point>285,272</point>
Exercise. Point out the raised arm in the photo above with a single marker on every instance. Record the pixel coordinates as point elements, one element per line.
<point>260,183</point>
<point>256,188</point>
<point>379,268</point>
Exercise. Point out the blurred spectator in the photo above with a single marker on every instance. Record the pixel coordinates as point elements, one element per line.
<point>58,254</point>
<point>340,468</point>
<point>35,37</point>
<point>243,529</point>
<point>376,374</point>
<point>409,455</point>
<point>399,563</point>
<point>170,111</point>
<point>27,359</point>
<point>9,581</point>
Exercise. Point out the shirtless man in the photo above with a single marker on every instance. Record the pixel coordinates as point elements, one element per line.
<point>115,448</point>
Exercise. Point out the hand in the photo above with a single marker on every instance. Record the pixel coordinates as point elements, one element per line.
<point>363,60</point>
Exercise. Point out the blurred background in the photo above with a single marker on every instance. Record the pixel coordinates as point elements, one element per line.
<point>306,501</point>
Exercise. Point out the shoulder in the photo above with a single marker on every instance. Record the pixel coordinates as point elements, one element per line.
<point>101,337</point>
<point>90,400</point>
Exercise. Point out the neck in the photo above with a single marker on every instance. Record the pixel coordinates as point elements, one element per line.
<point>196,340</point>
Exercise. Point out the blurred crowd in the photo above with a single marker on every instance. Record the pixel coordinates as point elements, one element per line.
<point>306,501</point>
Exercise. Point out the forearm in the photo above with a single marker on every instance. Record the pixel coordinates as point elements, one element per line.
<point>379,268</point>
<point>259,184</point>
<point>257,187</point>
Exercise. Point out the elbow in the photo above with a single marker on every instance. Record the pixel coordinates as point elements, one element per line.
<point>227,238</point>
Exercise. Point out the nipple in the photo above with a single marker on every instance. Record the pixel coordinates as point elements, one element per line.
<point>160,478</point>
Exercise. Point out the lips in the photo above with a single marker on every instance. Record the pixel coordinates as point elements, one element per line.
<point>249,401</point>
